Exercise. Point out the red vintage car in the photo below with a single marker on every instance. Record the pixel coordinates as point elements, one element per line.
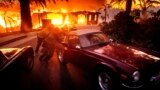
<point>111,64</point>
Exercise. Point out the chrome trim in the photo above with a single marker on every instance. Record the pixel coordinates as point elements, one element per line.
<point>132,87</point>
<point>136,76</point>
<point>155,79</point>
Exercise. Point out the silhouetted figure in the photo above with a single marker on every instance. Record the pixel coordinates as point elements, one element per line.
<point>50,44</point>
<point>40,37</point>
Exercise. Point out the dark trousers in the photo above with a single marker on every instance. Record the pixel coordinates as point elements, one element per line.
<point>46,54</point>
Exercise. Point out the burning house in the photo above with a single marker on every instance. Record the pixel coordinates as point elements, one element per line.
<point>70,13</point>
<point>69,18</point>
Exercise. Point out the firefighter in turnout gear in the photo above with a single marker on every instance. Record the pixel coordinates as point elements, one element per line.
<point>50,43</point>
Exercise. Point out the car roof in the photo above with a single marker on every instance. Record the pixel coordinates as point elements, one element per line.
<point>83,31</point>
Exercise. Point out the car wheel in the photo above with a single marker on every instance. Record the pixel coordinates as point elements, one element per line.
<point>104,80</point>
<point>61,57</point>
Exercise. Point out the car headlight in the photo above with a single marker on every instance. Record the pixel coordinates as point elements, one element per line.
<point>136,76</point>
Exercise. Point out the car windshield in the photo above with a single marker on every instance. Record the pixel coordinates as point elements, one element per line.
<point>93,39</point>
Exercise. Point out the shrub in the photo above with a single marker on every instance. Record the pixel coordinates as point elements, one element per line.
<point>124,30</point>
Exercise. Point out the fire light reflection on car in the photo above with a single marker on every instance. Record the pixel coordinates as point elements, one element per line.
<point>101,51</point>
<point>145,55</point>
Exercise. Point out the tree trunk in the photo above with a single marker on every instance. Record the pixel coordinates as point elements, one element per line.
<point>128,6</point>
<point>144,14</point>
<point>26,22</point>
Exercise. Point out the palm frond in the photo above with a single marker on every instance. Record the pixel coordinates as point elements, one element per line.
<point>6,3</point>
<point>150,6</point>
<point>65,0</point>
<point>43,3</point>
<point>154,2</point>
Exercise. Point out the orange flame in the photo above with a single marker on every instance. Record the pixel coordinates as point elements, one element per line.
<point>81,19</point>
<point>56,18</point>
<point>2,23</point>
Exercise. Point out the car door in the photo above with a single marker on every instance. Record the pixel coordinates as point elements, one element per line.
<point>79,56</point>
<point>86,58</point>
<point>74,48</point>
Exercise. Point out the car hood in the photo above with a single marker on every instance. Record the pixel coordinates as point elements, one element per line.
<point>129,55</point>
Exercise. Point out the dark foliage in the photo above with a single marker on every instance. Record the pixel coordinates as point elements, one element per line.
<point>124,30</point>
<point>121,29</point>
<point>152,33</point>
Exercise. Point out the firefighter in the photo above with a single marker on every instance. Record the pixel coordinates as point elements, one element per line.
<point>50,44</point>
<point>40,37</point>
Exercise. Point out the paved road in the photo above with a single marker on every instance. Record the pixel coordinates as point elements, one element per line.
<point>54,76</point>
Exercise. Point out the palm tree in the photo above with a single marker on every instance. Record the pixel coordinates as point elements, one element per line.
<point>145,4</point>
<point>26,21</point>
<point>106,15</point>
<point>128,5</point>
<point>5,6</point>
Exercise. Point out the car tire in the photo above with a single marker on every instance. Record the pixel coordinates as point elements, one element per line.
<point>60,56</point>
<point>104,79</point>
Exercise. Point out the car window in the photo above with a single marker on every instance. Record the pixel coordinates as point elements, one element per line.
<point>91,39</point>
<point>73,41</point>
